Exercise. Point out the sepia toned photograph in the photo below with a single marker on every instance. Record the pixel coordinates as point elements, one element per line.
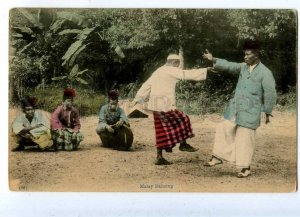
<point>152,100</point>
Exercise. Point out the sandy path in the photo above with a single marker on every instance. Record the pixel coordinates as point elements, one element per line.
<point>95,168</point>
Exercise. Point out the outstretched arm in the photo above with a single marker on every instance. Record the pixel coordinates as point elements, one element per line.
<point>195,74</point>
<point>221,64</point>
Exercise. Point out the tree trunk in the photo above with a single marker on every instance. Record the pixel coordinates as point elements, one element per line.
<point>20,88</point>
<point>43,83</point>
<point>181,56</point>
<point>181,52</point>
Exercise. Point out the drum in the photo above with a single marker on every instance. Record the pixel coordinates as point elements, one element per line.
<point>121,139</point>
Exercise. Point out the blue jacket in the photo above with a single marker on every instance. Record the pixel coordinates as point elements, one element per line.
<point>255,93</point>
<point>105,117</point>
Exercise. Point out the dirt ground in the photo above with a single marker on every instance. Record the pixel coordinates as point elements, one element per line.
<point>95,168</point>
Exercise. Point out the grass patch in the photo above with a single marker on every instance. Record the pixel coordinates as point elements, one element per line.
<point>87,101</point>
<point>287,101</point>
<point>191,98</point>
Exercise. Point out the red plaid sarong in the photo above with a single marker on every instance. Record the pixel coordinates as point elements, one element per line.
<point>171,127</point>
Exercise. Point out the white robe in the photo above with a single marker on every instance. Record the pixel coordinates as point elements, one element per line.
<point>159,90</point>
<point>40,135</point>
<point>235,144</point>
<point>21,122</point>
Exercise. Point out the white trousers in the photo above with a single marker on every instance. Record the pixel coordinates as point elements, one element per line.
<point>234,143</point>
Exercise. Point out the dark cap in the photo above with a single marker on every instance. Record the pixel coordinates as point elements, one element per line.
<point>113,94</point>
<point>28,101</point>
<point>251,45</point>
<point>69,93</point>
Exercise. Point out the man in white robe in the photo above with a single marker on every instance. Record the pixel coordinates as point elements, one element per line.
<point>157,94</point>
<point>31,128</point>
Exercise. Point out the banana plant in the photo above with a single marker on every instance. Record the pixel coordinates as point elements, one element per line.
<point>34,37</point>
<point>85,37</point>
<point>73,76</point>
<point>43,24</point>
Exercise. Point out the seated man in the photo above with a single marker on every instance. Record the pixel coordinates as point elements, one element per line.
<point>31,128</point>
<point>113,128</point>
<point>65,124</point>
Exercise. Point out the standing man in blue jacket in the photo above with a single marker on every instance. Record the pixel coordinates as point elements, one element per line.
<point>255,93</point>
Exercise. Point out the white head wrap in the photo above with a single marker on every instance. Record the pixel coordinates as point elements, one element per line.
<point>173,57</point>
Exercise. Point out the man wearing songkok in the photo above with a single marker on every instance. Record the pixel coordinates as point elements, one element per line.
<point>65,124</point>
<point>113,128</point>
<point>31,128</point>
<point>255,93</point>
<point>157,94</point>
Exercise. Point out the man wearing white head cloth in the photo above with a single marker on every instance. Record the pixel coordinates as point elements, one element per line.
<point>158,95</point>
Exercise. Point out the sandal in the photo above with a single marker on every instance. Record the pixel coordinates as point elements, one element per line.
<point>162,161</point>
<point>19,148</point>
<point>169,150</point>
<point>213,162</point>
<point>187,147</point>
<point>245,172</point>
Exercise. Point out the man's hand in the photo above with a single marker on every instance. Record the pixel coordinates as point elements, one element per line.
<point>74,136</point>
<point>37,126</point>
<point>211,69</point>
<point>133,103</point>
<point>27,135</point>
<point>27,128</point>
<point>268,118</point>
<point>207,55</point>
<point>109,129</point>
<point>119,123</point>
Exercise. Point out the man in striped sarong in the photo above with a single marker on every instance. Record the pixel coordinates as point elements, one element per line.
<point>65,124</point>
<point>157,94</point>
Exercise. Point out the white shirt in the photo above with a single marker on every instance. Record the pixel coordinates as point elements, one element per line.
<point>21,122</point>
<point>159,90</point>
<point>252,67</point>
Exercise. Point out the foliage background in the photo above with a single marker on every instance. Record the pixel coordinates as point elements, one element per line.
<point>95,50</point>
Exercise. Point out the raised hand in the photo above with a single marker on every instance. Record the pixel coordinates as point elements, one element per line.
<point>211,69</point>
<point>207,55</point>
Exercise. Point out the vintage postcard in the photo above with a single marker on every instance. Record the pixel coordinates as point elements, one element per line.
<point>152,100</point>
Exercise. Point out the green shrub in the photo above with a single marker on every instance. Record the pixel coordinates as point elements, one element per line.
<point>288,100</point>
<point>203,97</point>
<point>196,98</point>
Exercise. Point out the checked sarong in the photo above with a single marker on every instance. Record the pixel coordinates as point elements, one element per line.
<point>171,127</point>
